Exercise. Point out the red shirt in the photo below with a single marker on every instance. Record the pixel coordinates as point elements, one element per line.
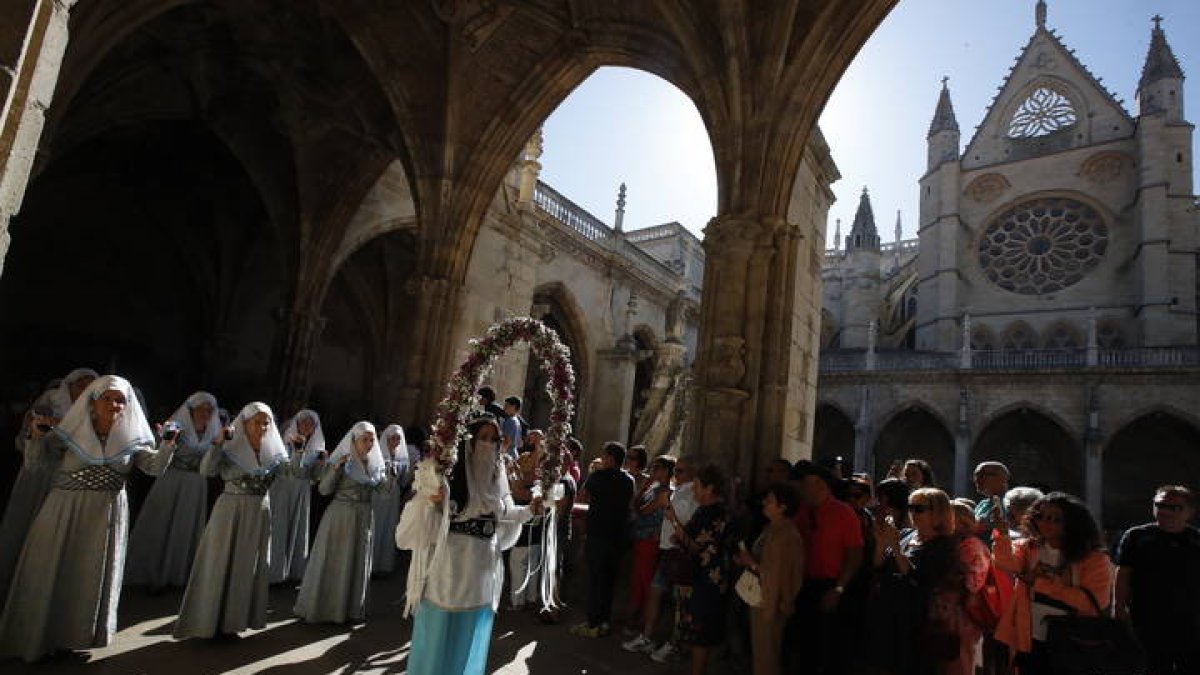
<point>828,530</point>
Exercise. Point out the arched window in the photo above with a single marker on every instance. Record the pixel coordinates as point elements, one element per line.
<point>1062,335</point>
<point>982,339</point>
<point>1018,337</point>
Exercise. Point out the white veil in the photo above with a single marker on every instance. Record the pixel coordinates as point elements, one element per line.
<point>129,432</point>
<point>187,429</point>
<point>315,444</point>
<point>369,472</point>
<point>61,398</point>
<point>399,456</point>
<point>271,451</point>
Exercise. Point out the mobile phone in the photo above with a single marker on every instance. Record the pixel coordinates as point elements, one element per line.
<point>169,434</point>
<point>229,434</point>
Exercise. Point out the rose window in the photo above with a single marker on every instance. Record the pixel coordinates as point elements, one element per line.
<point>1042,246</point>
<point>1044,112</point>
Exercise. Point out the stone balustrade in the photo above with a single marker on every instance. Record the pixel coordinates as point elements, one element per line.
<point>1026,359</point>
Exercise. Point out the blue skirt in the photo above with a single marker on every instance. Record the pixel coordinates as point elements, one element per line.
<point>446,642</point>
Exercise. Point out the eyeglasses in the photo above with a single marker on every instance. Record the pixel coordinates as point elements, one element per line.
<point>1168,506</point>
<point>1048,518</point>
<point>919,508</point>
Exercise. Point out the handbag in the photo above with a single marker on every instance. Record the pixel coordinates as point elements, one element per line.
<point>749,588</point>
<point>1086,645</point>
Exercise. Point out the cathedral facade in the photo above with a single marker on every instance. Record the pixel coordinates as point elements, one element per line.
<point>1046,315</point>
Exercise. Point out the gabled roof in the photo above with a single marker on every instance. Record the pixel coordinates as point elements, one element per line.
<point>1043,41</point>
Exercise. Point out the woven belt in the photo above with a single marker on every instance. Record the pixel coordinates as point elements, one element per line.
<point>355,498</point>
<point>247,485</point>
<point>483,528</point>
<point>186,462</point>
<point>102,478</point>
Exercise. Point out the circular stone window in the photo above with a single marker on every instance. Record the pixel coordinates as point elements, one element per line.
<point>1042,246</point>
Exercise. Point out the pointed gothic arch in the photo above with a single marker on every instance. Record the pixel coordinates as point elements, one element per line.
<point>914,430</point>
<point>1158,447</point>
<point>555,306</point>
<point>833,434</point>
<point>1063,334</point>
<point>1018,336</point>
<point>1036,446</point>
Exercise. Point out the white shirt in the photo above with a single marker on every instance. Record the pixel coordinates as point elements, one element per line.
<point>683,501</point>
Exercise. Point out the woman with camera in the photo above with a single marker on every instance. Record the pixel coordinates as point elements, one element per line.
<point>335,582</point>
<point>291,497</point>
<point>68,577</point>
<point>167,532</point>
<point>227,589</point>
<point>387,503</point>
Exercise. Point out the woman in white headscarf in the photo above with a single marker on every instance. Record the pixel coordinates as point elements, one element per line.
<point>339,568</point>
<point>457,531</point>
<point>227,590</point>
<point>36,473</point>
<point>167,532</point>
<point>291,497</point>
<point>386,503</point>
<point>67,582</point>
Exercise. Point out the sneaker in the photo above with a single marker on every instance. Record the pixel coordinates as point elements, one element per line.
<point>665,654</point>
<point>640,645</point>
<point>586,630</point>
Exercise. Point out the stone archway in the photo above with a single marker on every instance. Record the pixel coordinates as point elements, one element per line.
<point>1158,448</point>
<point>553,307</point>
<point>916,433</point>
<point>833,434</point>
<point>1037,450</point>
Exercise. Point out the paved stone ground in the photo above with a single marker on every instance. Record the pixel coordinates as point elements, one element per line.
<point>520,644</point>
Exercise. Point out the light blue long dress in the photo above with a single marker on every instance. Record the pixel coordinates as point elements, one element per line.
<point>339,566</point>
<point>291,503</point>
<point>67,581</point>
<point>167,533</point>
<point>227,590</point>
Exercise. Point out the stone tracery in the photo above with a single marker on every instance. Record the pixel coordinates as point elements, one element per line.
<point>1042,245</point>
<point>1044,112</point>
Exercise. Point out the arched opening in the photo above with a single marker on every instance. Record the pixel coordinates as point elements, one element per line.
<point>1155,449</point>
<point>916,433</point>
<point>1037,450</point>
<point>833,435</point>
<point>551,309</point>
<point>359,368</point>
<point>128,258</point>
<point>1018,336</point>
<point>643,375</point>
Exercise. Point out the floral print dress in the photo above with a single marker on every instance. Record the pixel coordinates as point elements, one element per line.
<point>704,616</point>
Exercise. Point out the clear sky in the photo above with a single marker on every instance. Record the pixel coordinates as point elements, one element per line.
<point>623,125</point>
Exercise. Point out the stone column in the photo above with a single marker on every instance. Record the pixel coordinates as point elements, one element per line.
<point>530,169</point>
<point>299,339</point>
<point>429,363</point>
<point>752,365</point>
<point>1093,479</point>
<point>609,410</point>
<point>964,354</point>
<point>32,42</point>
<point>864,457</point>
<point>962,445</point>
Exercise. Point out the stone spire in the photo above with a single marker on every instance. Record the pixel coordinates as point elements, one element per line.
<point>1039,14</point>
<point>943,117</point>
<point>837,235</point>
<point>863,234</point>
<point>1160,60</point>
<point>896,253</point>
<point>619,223</point>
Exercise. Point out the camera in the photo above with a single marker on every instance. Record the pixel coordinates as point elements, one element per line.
<point>170,431</point>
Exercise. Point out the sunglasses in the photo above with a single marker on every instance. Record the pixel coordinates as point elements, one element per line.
<point>919,508</point>
<point>1167,506</point>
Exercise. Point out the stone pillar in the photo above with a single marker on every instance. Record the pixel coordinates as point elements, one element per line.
<point>530,169</point>
<point>1093,345</point>
<point>1093,462</point>
<point>429,363</point>
<point>964,354</point>
<point>962,446</point>
<point>753,363</point>
<point>864,457</point>
<point>609,410</point>
<point>871,331</point>
<point>32,42</point>
<point>654,428</point>
<point>299,339</point>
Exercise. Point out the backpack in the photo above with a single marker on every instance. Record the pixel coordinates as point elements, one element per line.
<point>986,606</point>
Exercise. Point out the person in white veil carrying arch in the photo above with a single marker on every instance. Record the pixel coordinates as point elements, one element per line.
<point>67,582</point>
<point>167,532</point>
<point>291,497</point>
<point>457,530</point>
<point>339,567</point>
<point>387,504</point>
<point>227,589</point>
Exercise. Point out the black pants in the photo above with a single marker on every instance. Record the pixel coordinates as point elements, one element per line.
<point>603,559</point>
<point>1035,662</point>
<point>818,642</point>
<point>1169,650</point>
